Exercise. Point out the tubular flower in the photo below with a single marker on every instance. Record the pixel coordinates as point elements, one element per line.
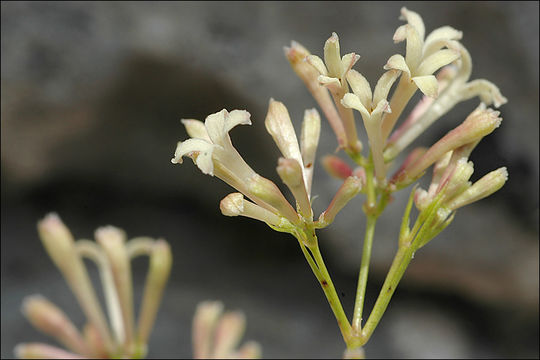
<point>112,255</point>
<point>297,56</point>
<point>478,124</point>
<point>372,107</point>
<point>216,335</point>
<point>211,149</point>
<point>454,87</point>
<point>333,72</point>
<point>423,57</point>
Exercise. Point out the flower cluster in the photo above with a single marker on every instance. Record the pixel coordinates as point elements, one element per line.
<point>425,55</point>
<point>216,334</point>
<point>211,150</point>
<point>112,255</point>
<point>440,67</point>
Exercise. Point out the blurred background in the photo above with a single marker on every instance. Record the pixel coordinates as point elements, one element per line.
<point>92,97</point>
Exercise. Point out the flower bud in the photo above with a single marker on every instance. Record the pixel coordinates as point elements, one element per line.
<point>49,319</point>
<point>268,192</point>
<point>336,167</point>
<point>478,124</point>
<point>204,322</point>
<point>484,187</point>
<point>290,172</point>
<point>112,241</point>
<point>60,246</point>
<point>43,351</point>
<point>158,274</point>
<point>309,140</point>
<point>350,188</point>
<point>229,332</point>
<point>235,205</point>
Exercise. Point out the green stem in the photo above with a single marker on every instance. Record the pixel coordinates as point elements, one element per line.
<point>363,276</point>
<point>330,292</point>
<point>399,264</point>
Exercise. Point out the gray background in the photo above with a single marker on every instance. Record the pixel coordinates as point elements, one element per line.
<point>92,94</point>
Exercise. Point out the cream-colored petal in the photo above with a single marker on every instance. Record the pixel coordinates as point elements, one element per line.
<point>331,83</point>
<point>397,62</point>
<point>203,151</point>
<point>332,57</point>
<point>384,84</point>
<point>488,92</point>
<point>317,63</point>
<point>427,84</point>
<point>436,39</point>
<point>215,126</point>
<point>237,117</point>
<point>347,62</point>
<point>278,124</point>
<point>353,102</point>
<point>309,140</point>
<point>360,86</point>
<point>414,47</point>
<point>437,60</point>
<point>196,129</point>
<point>413,19</point>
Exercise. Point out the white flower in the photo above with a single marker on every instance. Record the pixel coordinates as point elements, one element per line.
<point>371,106</point>
<point>212,151</point>
<point>457,88</point>
<point>423,57</point>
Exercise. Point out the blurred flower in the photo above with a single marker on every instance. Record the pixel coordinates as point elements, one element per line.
<point>112,255</point>
<point>216,335</point>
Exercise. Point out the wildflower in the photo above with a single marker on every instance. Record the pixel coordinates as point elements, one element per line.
<point>333,72</point>
<point>423,57</point>
<point>336,167</point>
<point>372,107</point>
<point>348,190</point>
<point>478,124</point>
<point>112,255</point>
<point>216,335</point>
<point>456,88</point>
<point>212,151</point>
<point>297,56</point>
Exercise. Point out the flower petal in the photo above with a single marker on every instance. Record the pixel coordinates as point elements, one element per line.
<point>332,58</point>
<point>353,102</point>
<point>347,62</point>
<point>237,117</point>
<point>384,84</point>
<point>427,84</point>
<point>437,38</point>
<point>317,63</point>
<point>413,19</point>
<point>202,148</point>
<point>333,84</point>
<point>278,124</point>
<point>437,60</point>
<point>397,62</point>
<point>196,129</point>
<point>488,92</point>
<point>360,86</point>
